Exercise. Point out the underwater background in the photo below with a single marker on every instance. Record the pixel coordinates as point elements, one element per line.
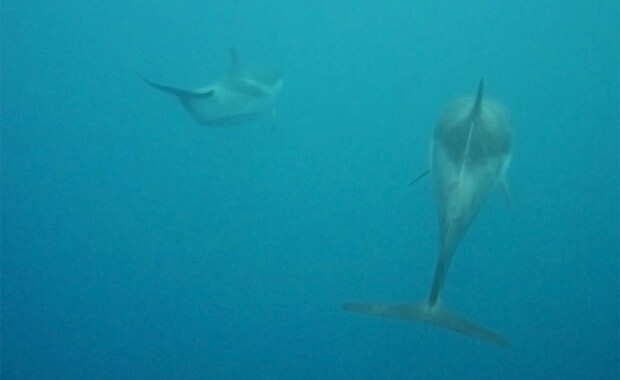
<point>137,244</point>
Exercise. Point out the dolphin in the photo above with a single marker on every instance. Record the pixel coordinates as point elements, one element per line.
<point>470,154</point>
<point>243,94</point>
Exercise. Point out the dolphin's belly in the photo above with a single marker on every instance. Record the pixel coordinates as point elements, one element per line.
<point>227,107</point>
<point>461,189</point>
<point>469,157</point>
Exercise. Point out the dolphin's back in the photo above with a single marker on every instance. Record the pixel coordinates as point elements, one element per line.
<point>471,149</point>
<point>490,136</point>
<point>244,94</point>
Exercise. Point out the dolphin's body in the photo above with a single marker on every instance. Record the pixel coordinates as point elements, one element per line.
<point>244,94</point>
<point>470,153</point>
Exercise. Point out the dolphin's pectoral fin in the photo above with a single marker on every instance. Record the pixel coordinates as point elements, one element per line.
<point>171,90</point>
<point>164,88</point>
<point>271,118</point>
<point>506,192</point>
<point>201,95</point>
<point>420,176</point>
<point>436,315</point>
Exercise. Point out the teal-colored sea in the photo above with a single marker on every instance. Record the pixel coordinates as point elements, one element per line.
<point>139,244</point>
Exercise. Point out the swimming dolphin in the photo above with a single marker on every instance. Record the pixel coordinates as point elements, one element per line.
<point>470,154</point>
<point>244,94</point>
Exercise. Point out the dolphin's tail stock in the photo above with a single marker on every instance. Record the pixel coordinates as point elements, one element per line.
<point>183,94</point>
<point>435,315</point>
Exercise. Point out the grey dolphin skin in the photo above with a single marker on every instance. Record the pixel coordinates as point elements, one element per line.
<point>243,95</point>
<point>470,154</point>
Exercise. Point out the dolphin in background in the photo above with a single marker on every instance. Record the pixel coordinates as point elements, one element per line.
<point>243,94</point>
<point>470,154</point>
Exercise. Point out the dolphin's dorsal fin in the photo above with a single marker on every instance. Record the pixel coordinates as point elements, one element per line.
<point>478,104</point>
<point>506,192</point>
<point>238,78</point>
<point>235,64</point>
<point>473,117</point>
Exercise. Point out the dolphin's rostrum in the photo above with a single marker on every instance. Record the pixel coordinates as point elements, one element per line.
<point>470,153</point>
<point>244,94</point>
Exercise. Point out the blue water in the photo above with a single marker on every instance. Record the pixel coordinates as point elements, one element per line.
<point>137,244</point>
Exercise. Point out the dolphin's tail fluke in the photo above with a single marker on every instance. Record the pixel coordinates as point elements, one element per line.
<point>178,91</point>
<point>436,315</point>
